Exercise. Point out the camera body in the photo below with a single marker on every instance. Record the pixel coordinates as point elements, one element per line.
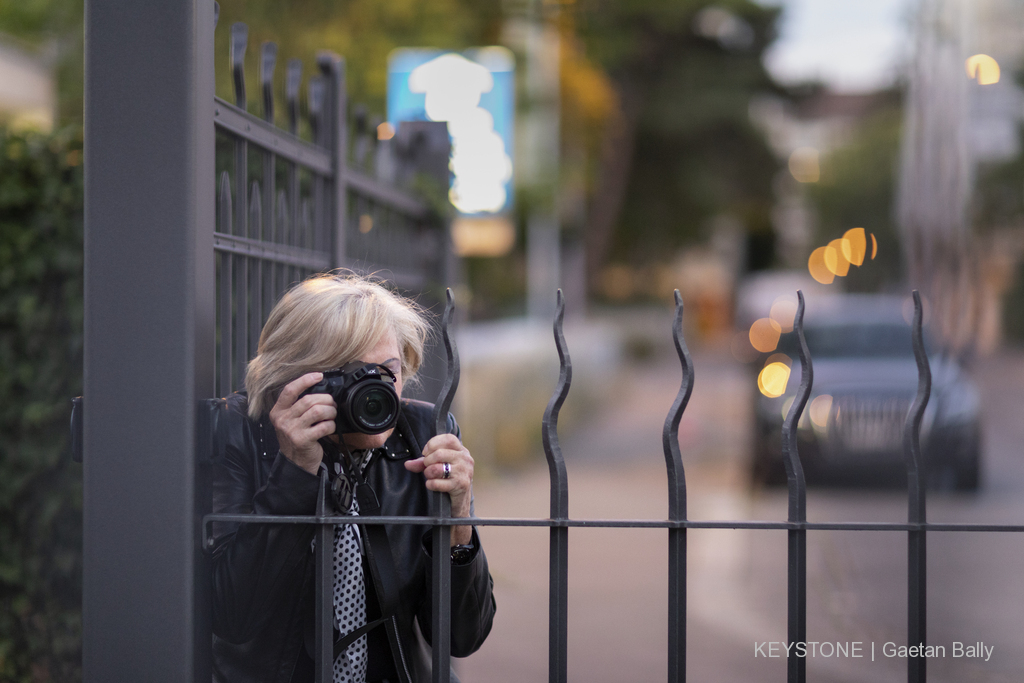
<point>365,395</point>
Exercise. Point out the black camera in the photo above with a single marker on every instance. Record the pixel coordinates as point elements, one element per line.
<point>365,395</point>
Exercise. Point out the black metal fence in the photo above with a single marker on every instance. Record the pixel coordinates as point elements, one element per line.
<point>310,206</point>
<point>169,327</point>
<point>676,522</point>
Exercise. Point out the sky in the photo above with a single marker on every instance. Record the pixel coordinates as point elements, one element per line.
<point>851,45</point>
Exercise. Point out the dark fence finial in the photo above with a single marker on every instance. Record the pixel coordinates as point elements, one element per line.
<point>293,79</point>
<point>794,470</point>
<point>451,380</point>
<point>670,433</point>
<point>549,430</point>
<point>268,60</point>
<point>317,91</point>
<point>239,41</point>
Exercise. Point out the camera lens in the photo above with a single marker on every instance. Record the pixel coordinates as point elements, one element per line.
<point>375,409</point>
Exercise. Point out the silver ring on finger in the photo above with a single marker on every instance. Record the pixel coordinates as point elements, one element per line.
<point>447,470</point>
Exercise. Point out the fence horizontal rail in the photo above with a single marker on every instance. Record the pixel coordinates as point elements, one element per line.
<point>610,523</point>
<point>269,251</point>
<point>271,138</point>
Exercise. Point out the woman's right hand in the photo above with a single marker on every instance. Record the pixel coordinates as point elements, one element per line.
<point>300,421</point>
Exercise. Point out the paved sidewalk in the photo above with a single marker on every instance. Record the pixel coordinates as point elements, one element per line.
<point>618,577</point>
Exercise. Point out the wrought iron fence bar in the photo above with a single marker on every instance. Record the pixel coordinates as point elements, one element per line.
<point>558,553</point>
<point>268,251</point>
<point>251,128</point>
<point>618,523</point>
<point>323,655</point>
<point>255,285</point>
<point>797,489</point>
<point>916,538</point>
<point>225,278</point>
<point>677,507</point>
<point>334,198</point>
<point>377,191</point>
<point>441,507</point>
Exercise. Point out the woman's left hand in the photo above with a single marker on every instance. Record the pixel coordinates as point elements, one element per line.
<point>447,449</point>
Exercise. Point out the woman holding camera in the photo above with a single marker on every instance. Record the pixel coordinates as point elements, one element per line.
<point>278,435</point>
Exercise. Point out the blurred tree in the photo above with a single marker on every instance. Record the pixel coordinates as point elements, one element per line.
<point>678,147</point>
<point>363,32</point>
<point>54,27</point>
<point>857,189</point>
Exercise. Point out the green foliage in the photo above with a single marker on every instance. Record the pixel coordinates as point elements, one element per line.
<point>364,33</point>
<point>857,189</point>
<point>696,154</point>
<point>41,194</point>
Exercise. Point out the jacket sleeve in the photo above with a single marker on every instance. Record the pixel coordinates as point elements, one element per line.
<point>473,603</point>
<point>256,566</point>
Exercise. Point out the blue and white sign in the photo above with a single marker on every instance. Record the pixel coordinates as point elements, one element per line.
<point>474,93</point>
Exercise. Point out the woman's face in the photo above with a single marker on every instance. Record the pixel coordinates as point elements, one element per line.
<point>388,354</point>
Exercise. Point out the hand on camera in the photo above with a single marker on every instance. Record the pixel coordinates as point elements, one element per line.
<point>300,421</point>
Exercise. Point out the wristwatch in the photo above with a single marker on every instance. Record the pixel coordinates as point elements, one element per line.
<point>462,554</point>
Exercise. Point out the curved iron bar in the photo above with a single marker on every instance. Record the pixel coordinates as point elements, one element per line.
<point>670,433</point>
<point>441,507</point>
<point>677,507</point>
<point>549,433</point>
<point>794,470</point>
<point>916,539</point>
<point>239,41</point>
<point>451,380</point>
<point>796,580</point>
<point>558,553</point>
<point>912,428</point>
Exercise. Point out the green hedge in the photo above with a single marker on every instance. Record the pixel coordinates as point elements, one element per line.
<point>41,194</point>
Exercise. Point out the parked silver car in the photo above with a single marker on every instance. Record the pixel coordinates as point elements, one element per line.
<point>865,378</point>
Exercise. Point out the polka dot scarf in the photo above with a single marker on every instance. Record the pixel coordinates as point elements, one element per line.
<point>349,589</point>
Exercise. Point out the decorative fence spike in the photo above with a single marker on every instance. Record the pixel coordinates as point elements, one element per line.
<point>440,505</point>
<point>317,91</point>
<point>239,42</point>
<point>361,145</point>
<point>677,507</point>
<point>916,481</point>
<point>797,537</point>
<point>268,60</point>
<point>558,576</point>
<point>451,379</point>
<point>670,433</point>
<point>292,83</point>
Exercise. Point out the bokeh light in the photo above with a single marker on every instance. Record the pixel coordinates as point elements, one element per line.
<point>874,246</point>
<point>983,68</point>
<point>835,260</point>
<point>816,265</point>
<point>772,379</point>
<point>783,311</point>
<point>803,164</point>
<point>385,131</point>
<point>855,246</point>
<point>819,410</point>
<point>764,335</point>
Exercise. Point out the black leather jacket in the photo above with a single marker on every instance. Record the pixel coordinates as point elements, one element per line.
<point>263,607</point>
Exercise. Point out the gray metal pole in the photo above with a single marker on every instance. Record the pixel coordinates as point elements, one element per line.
<point>149,218</point>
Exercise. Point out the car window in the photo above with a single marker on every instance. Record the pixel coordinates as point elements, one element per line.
<point>878,340</point>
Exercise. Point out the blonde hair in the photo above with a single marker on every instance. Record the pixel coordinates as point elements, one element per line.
<point>326,321</point>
